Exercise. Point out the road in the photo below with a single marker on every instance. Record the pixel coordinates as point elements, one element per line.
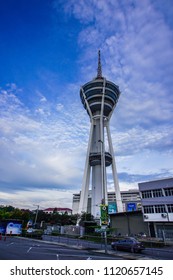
<point>28,249</point>
<point>159,253</point>
<point>165,253</point>
<point>17,248</point>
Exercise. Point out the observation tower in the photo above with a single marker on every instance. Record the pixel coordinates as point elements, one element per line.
<point>99,98</point>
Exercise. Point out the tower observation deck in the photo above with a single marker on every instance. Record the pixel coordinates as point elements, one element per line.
<point>99,98</point>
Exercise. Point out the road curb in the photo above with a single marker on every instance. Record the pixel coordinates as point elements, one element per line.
<point>126,255</point>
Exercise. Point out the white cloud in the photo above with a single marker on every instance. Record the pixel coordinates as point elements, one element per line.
<point>44,152</point>
<point>29,197</point>
<point>44,145</point>
<point>59,107</point>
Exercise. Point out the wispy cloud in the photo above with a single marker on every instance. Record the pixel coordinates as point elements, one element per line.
<point>43,126</point>
<point>28,198</point>
<point>137,45</point>
<point>39,151</point>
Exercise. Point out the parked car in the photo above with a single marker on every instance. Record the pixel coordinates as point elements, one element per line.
<point>128,244</point>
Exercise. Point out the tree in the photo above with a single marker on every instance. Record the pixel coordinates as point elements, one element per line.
<point>86,217</point>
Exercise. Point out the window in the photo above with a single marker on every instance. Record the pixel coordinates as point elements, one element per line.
<point>92,85</point>
<point>108,85</point>
<point>160,208</point>
<point>146,194</point>
<point>152,193</point>
<point>168,191</point>
<point>148,209</point>
<point>157,193</point>
<point>170,208</point>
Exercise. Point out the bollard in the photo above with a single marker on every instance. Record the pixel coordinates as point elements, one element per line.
<point>5,237</point>
<point>1,236</point>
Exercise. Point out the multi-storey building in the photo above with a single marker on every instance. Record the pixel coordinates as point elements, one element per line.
<point>157,206</point>
<point>130,199</point>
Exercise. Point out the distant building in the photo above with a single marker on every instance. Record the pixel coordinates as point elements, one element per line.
<point>61,211</point>
<point>157,207</point>
<point>130,199</point>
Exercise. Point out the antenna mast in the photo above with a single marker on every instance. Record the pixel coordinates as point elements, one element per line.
<point>99,69</point>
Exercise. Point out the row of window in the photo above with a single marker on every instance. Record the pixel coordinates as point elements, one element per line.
<point>157,193</point>
<point>101,84</point>
<point>158,208</point>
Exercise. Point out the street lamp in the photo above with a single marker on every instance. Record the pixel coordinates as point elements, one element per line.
<point>36,215</point>
<point>103,189</point>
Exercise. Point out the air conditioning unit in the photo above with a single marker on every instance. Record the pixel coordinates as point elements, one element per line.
<point>164,215</point>
<point>145,216</point>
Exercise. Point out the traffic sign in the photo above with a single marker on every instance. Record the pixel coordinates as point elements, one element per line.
<point>104,214</point>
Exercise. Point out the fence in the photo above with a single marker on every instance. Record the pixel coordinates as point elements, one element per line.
<point>77,242</point>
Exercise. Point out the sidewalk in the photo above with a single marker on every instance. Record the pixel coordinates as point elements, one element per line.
<point>126,255</point>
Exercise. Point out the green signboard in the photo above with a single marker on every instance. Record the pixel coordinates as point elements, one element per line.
<point>112,208</point>
<point>104,214</point>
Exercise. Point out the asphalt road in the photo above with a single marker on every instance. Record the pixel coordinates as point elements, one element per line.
<point>165,253</point>
<point>16,248</point>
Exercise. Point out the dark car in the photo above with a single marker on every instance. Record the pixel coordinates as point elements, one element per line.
<point>128,244</point>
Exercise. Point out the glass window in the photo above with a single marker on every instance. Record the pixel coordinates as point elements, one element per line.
<point>108,85</point>
<point>168,191</point>
<point>148,209</point>
<point>157,193</point>
<point>146,194</point>
<point>92,85</point>
<point>160,208</point>
<point>170,208</point>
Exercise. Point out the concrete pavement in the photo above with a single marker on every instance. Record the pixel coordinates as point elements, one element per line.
<point>148,254</point>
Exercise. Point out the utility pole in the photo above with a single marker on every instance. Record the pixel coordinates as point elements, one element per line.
<point>36,215</point>
<point>104,222</point>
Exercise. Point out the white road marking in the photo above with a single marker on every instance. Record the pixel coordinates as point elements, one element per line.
<point>29,249</point>
<point>10,244</point>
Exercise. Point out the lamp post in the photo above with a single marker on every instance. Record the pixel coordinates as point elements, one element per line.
<point>36,215</point>
<point>103,202</point>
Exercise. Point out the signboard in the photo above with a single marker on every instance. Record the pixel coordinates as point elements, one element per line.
<point>100,230</point>
<point>139,206</point>
<point>104,214</point>
<point>131,206</point>
<point>2,227</point>
<point>112,208</point>
<point>14,228</point>
<point>11,227</point>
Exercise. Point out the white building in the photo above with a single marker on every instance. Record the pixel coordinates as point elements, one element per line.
<point>157,206</point>
<point>130,199</point>
<point>58,210</point>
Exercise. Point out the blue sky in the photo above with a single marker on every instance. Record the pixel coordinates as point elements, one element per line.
<point>48,50</point>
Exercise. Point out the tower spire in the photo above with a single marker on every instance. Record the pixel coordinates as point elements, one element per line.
<point>99,69</point>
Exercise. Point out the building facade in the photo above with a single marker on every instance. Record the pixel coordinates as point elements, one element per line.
<point>157,206</point>
<point>129,223</point>
<point>60,211</point>
<point>131,201</point>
